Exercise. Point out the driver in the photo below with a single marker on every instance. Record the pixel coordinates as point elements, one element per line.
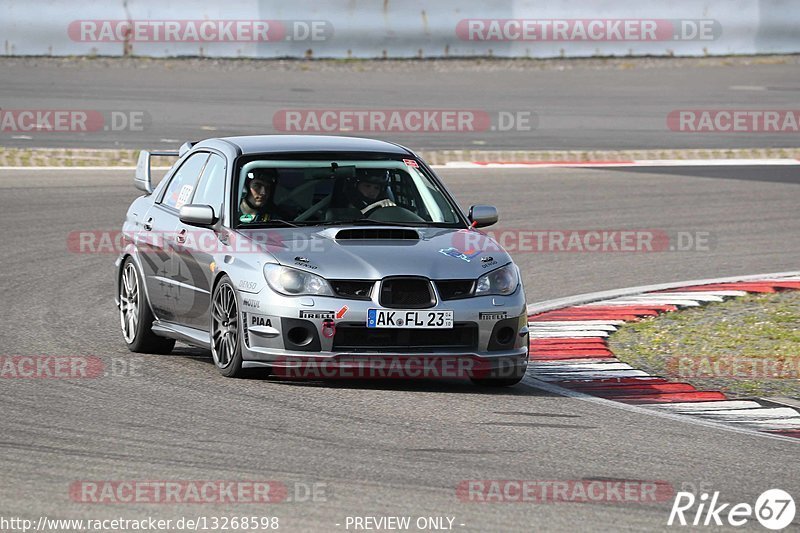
<point>369,190</point>
<point>258,204</point>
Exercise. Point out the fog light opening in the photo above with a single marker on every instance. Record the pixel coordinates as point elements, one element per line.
<point>505,335</point>
<point>299,336</point>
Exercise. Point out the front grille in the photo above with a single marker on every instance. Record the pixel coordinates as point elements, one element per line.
<point>357,337</point>
<point>352,289</point>
<point>407,293</point>
<point>453,289</point>
<point>377,234</point>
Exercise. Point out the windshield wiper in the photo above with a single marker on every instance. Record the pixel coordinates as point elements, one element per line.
<point>270,223</point>
<point>369,222</point>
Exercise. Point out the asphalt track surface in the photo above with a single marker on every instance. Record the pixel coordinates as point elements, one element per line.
<point>380,447</point>
<point>577,107</point>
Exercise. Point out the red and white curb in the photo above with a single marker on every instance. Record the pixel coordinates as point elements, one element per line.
<point>620,163</point>
<point>569,352</point>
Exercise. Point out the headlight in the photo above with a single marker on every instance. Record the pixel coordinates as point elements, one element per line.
<point>502,281</point>
<point>293,282</point>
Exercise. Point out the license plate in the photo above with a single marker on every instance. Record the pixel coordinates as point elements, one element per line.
<point>394,318</point>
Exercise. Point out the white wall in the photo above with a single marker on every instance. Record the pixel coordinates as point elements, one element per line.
<point>368,28</point>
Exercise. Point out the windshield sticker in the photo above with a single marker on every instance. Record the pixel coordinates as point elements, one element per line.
<point>183,197</point>
<point>411,163</point>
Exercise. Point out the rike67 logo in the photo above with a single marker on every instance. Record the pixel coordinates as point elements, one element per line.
<point>774,509</point>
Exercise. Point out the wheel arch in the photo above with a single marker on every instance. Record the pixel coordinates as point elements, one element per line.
<point>124,257</point>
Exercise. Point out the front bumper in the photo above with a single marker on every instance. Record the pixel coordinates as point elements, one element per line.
<point>387,366</point>
<point>279,331</point>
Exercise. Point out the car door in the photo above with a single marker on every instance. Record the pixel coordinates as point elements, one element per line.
<point>160,223</point>
<point>194,252</point>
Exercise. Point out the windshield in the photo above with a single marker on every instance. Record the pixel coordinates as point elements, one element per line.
<point>305,192</point>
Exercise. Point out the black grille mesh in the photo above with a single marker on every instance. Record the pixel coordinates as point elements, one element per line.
<point>453,289</point>
<point>410,293</point>
<point>352,289</point>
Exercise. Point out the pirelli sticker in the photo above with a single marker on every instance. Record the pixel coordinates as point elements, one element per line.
<point>497,315</point>
<point>317,315</point>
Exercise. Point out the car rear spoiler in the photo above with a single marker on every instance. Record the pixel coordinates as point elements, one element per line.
<point>143,179</point>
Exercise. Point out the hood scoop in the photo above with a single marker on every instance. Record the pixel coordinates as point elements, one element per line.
<point>377,234</point>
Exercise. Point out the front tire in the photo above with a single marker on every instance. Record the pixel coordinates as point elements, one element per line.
<point>226,337</point>
<point>135,316</point>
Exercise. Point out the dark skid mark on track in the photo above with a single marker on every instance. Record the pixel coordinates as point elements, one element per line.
<point>775,174</point>
<point>546,415</point>
<point>536,425</point>
<point>450,451</point>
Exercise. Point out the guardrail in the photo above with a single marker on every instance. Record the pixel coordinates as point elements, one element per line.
<point>394,29</point>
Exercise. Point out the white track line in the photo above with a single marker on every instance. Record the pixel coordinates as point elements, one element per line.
<point>79,168</point>
<point>582,299</point>
<point>735,415</point>
<point>645,302</point>
<point>578,322</point>
<point>579,376</point>
<point>694,294</point>
<point>700,407</point>
<point>623,163</point>
<point>781,424</point>
<point>551,334</point>
<point>697,297</point>
<point>560,366</point>
<point>595,327</point>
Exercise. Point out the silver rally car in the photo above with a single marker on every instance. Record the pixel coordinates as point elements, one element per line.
<point>280,251</point>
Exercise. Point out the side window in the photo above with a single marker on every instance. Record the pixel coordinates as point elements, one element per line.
<point>180,189</point>
<point>211,187</point>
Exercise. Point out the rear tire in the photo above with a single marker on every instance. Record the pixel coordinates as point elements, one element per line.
<point>226,330</point>
<point>135,316</point>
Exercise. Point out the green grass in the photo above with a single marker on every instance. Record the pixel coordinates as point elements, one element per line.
<point>754,331</point>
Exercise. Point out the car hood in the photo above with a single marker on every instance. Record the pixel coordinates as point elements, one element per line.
<point>376,252</point>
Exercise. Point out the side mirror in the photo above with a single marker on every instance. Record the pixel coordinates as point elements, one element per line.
<point>483,215</point>
<point>142,179</point>
<point>197,215</point>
